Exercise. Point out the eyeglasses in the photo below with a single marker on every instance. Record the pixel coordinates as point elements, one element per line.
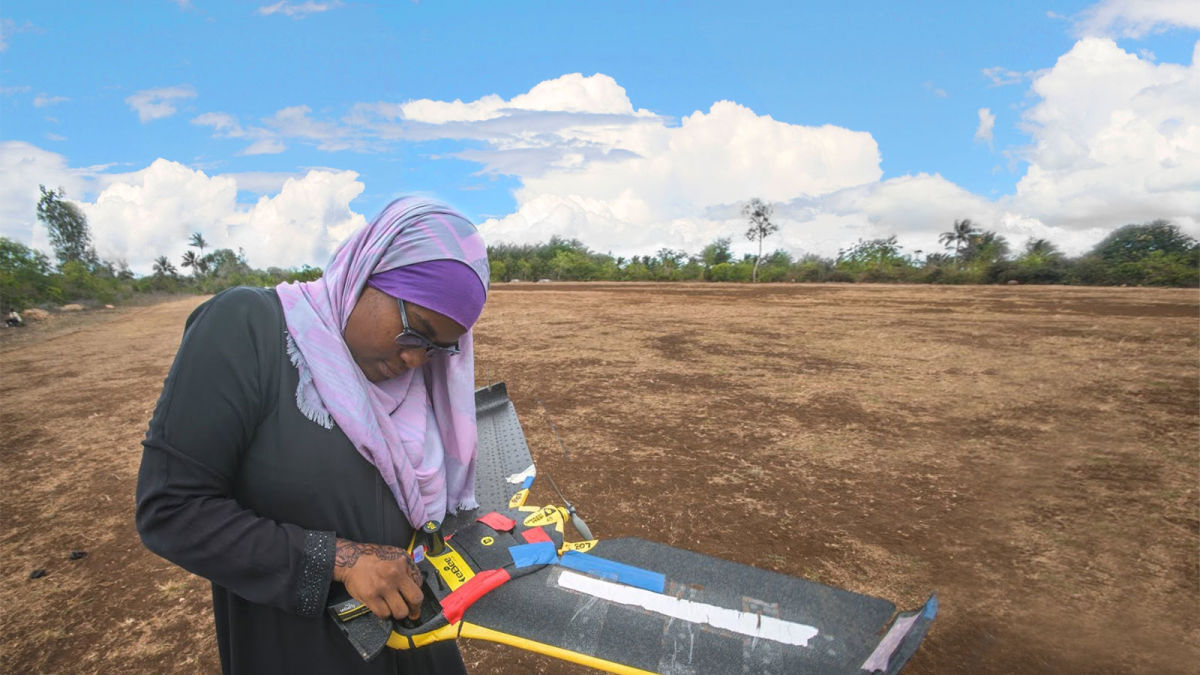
<point>411,339</point>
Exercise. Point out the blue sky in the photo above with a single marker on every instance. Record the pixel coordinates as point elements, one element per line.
<point>631,126</point>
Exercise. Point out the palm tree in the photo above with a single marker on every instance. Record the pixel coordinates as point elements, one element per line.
<point>1041,250</point>
<point>190,259</point>
<point>163,267</point>
<point>959,237</point>
<point>197,240</point>
<point>987,246</point>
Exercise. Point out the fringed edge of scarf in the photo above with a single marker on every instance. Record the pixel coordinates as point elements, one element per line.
<point>307,398</point>
<point>466,505</point>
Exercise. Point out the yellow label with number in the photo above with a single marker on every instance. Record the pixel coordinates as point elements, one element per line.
<point>518,498</point>
<point>451,566</point>
<point>545,516</point>
<point>580,546</point>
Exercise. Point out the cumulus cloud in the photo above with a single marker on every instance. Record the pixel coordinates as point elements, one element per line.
<point>297,10</point>
<point>153,104</point>
<point>1136,18</point>
<point>140,215</point>
<point>915,208</point>
<point>1116,139</point>
<point>22,168</point>
<point>678,186</point>
<point>987,122</point>
<point>261,182</point>
<point>152,212</point>
<point>571,119</point>
<point>304,223</point>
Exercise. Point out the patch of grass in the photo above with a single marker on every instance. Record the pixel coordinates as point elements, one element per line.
<point>172,589</point>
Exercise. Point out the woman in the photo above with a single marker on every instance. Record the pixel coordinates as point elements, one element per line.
<point>303,432</point>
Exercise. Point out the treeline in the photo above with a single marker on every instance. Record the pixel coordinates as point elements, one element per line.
<point>1150,254</point>
<point>28,277</point>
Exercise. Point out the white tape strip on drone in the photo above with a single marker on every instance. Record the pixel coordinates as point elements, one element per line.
<point>520,477</point>
<point>745,623</point>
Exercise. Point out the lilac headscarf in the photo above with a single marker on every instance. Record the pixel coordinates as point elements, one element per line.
<point>448,287</point>
<point>417,429</point>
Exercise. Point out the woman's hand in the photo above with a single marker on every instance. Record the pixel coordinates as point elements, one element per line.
<point>383,578</point>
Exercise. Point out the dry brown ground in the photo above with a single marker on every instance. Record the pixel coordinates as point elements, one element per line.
<point>1032,454</point>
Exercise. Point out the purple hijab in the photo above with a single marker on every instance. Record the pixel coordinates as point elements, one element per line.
<point>417,429</point>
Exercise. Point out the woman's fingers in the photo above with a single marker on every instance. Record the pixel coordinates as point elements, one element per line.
<point>410,586</point>
<point>395,602</point>
<point>384,578</point>
<point>378,606</point>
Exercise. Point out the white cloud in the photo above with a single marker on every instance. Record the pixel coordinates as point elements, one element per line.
<point>297,10</point>
<point>1136,18</point>
<point>915,208</point>
<point>1116,139</point>
<point>287,123</point>
<point>571,93</point>
<point>153,104</point>
<point>55,137</point>
<point>303,223</point>
<point>261,182</point>
<point>43,100</point>
<point>674,186</point>
<point>141,215</point>
<point>223,124</point>
<point>1114,142</point>
<point>22,168</point>
<point>294,122</point>
<point>18,89</point>
<point>148,213</point>
<point>1001,76</point>
<point>265,146</point>
<point>987,122</point>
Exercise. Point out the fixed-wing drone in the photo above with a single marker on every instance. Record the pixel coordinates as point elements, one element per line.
<point>506,573</point>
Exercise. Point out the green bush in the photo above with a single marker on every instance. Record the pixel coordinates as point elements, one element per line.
<point>727,271</point>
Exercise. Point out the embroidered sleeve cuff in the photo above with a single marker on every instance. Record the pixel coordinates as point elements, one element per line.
<point>316,572</point>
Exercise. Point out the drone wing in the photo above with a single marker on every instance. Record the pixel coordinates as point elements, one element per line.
<point>629,605</point>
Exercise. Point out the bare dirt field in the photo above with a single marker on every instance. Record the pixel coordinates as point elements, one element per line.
<point>1030,453</point>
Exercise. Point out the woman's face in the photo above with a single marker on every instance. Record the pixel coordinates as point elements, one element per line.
<point>374,324</point>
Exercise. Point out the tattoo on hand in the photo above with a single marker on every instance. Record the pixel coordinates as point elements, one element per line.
<point>413,572</point>
<point>348,553</point>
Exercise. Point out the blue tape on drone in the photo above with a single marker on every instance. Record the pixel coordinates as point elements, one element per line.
<point>528,481</point>
<point>539,553</point>
<point>931,607</point>
<point>614,571</point>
